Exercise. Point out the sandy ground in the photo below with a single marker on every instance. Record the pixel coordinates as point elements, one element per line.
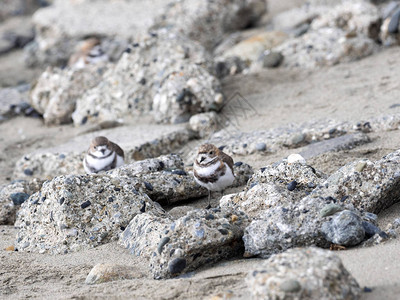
<point>348,92</point>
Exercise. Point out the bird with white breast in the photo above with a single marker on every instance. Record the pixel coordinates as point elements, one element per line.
<point>213,169</point>
<point>103,155</point>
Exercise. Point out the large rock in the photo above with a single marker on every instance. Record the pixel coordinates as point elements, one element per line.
<point>173,247</point>
<point>163,73</point>
<point>325,47</point>
<point>343,33</point>
<point>197,19</point>
<point>368,186</point>
<point>293,206</point>
<point>77,212</point>
<point>56,91</point>
<point>61,26</point>
<point>13,195</point>
<point>307,273</point>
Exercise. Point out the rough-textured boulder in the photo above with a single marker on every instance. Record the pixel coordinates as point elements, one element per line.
<point>76,212</point>
<point>13,195</point>
<point>368,186</point>
<point>61,26</point>
<point>163,73</point>
<point>56,91</point>
<point>178,246</point>
<point>307,273</point>
<point>205,124</point>
<point>196,19</point>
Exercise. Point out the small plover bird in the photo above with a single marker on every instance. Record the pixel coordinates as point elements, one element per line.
<point>87,52</point>
<point>213,169</point>
<point>103,155</point>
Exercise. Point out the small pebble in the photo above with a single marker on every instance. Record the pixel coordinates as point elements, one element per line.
<point>360,166</point>
<point>19,198</point>
<point>261,146</point>
<point>290,286</point>
<point>28,172</point>
<point>292,185</point>
<point>148,185</point>
<point>272,59</point>
<point>238,164</point>
<point>85,204</point>
<point>177,265</point>
<point>162,243</point>
<point>330,210</point>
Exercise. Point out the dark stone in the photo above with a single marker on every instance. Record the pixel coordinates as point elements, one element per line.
<point>393,26</point>
<point>238,164</point>
<point>61,201</point>
<point>367,289</point>
<point>84,120</point>
<point>177,265</point>
<point>223,231</point>
<point>162,243</point>
<point>209,217</point>
<point>345,228</point>
<point>61,156</point>
<point>85,204</point>
<point>28,172</point>
<point>148,185</point>
<point>143,209</point>
<point>19,198</point>
<point>179,172</point>
<point>370,229</point>
<point>292,185</point>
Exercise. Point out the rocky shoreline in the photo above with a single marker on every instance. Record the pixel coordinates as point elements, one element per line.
<point>280,88</point>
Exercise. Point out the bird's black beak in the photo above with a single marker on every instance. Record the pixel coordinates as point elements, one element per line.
<point>103,150</point>
<point>202,158</point>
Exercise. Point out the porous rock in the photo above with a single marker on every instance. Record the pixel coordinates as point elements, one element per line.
<point>48,165</point>
<point>55,93</point>
<point>13,195</point>
<point>60,27</point>
<point>111,272</point>
<point>196,19</point>
<point>163,73</point>
<point>324,46</point>
<point>73,212</point>
<point>174,247</point>
<point>366,185</point>
<point>302,273</point>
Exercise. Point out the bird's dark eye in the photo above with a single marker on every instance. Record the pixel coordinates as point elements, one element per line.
<point>211,152</point>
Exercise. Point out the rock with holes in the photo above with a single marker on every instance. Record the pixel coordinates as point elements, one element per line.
<point>74,212</point>
<point>60,27</point>
<point>197,19</point>
<point>55,93</point>
<point>366,185</point>
<point>174,247</point>
<point>302,273</point>
<point>13,195</point>
<point>164,73</point>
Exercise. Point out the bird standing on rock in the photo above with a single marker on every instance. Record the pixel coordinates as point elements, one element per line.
<point>103,155</point>
<point>213,169</point>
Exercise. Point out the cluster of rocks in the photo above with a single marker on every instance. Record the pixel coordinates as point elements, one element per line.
<point>294,205</point>
<point>321,136</point>
<point>14,102</point>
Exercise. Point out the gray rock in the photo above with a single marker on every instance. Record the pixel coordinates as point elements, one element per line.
<point>261,146</point>
<point>13,195</point>
<point>196,19</point>
<point>373,188</point>
<point>111,272</point>
<point>173,247</point>
<point>205,124</point>
<point>307,273</point>
<point>78,212</point>
<point>10,99</point>
<point>62,26</point>
<point>343,142</point>
<point>271,59</point>
<point>56,91</point>
<point>310,50</point>
<point>345,228</point>
<point>167,76</point>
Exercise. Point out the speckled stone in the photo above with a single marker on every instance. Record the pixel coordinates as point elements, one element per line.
<point>60,218</point>
<point>308,273</point>
<point>13,195</point>
<point>174,247</point>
